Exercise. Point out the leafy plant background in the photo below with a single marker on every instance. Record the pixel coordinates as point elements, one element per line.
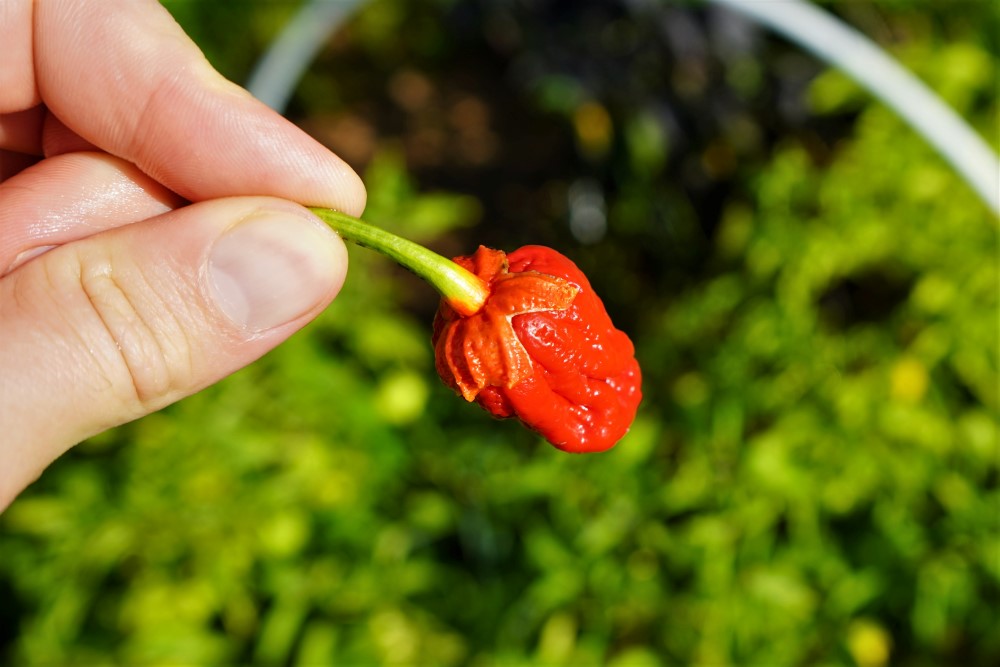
<point>812,478</point>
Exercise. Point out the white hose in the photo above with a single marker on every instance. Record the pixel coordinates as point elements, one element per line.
<point>278,72</point>
<point>862,60</point>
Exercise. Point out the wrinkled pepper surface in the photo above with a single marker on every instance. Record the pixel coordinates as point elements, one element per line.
<point>542,348</point>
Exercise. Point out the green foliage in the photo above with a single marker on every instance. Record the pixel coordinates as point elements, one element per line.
<point>812,478</point>
<point>394,205</point>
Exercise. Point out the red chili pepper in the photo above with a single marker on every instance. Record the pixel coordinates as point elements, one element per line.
<point>542,348</point>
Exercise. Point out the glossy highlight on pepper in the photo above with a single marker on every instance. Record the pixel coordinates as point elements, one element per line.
<point>542,348</point>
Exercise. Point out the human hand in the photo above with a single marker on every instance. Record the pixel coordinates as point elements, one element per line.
<point>117,296</point>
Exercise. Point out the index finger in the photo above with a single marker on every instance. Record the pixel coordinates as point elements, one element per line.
<point>123,75</point>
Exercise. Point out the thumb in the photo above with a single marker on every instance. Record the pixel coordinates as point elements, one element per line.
<point>109,328</point>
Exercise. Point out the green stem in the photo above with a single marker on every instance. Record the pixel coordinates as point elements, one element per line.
<point>461,289</point>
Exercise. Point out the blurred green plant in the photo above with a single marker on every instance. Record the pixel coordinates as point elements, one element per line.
<point>813,478</point>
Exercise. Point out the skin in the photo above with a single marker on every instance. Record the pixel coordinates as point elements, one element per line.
<point>121,168</point>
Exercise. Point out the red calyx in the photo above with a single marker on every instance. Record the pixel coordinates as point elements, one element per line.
<point>542,348</point>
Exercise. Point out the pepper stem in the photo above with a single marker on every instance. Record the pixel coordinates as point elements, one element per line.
<point>463,290</point>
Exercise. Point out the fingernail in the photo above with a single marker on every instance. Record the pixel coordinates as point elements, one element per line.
<point>272,268</point>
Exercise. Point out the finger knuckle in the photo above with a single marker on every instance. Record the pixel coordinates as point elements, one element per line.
<point>146,351</point>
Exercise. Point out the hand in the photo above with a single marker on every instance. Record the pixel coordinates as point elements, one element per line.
<point>117,296</point>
